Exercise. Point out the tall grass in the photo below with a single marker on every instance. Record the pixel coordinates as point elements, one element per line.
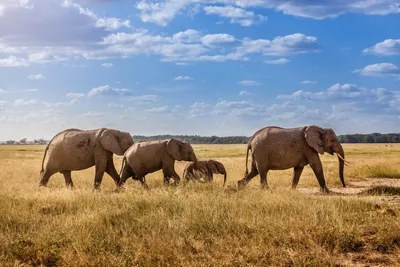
<point>192,225</point>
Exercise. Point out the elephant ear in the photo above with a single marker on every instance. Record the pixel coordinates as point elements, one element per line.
<point>313,135</point>
<point>110,140</point>
<point>174,148</point>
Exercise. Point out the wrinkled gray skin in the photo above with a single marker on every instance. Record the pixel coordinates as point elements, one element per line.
<point>150,156</point>
<point>275,148</point>
<point>74,149</point>
<point>205,167</point>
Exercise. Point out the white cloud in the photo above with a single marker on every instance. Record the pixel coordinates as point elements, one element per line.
<point>75,95</point>
<point>350,95</point>
<point>21,26</point>
<point>162,109</point>
<point>200,105</point>
<point>218,39</point>
<point>282,45</point>
<point>112,24</point>
<point>183,78</point>
<point>308,82</point>
<point>13,61</point>
<point>189,45</point>
<point>112,105</point>
<point>37,77</point>
<point>188,36</point>
<point>93,114</point>
<point>107,65</point>
<point>2,91</point>
<point>72,31</point>
<point>250,83</point>
<point>85,35</point>
<point>243,93</point>
<point>108,90</point>
<point>162,12</point>
<point>379,69</point>
<point>280,61</point>
<point>388,47</point>
<point>45,57</point>
<point>235,14</point>
<point>143,98</point>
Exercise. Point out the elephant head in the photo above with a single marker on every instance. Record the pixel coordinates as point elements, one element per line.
<point>181,151</point>
<point>325,140</point>
<point>116,141</point>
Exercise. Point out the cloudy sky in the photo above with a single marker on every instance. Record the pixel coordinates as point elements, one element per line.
<point>207,67</point>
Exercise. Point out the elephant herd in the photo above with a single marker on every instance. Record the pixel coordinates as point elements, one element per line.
<point>272,148</point>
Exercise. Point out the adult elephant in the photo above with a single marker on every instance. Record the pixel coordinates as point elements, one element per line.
<point>75,149</point>
<point>276,148</point>
<point>204,167</point>
<point>149,156</point>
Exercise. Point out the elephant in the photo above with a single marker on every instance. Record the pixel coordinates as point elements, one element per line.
<point>149,156</point>
<point>205,167</point>
<point>276,148</point>
<point>76,149</point>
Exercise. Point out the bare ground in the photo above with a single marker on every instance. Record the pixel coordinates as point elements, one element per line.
<point>357,187</point>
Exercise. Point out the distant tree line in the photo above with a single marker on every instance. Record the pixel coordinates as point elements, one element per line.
<point>370,138</point>
<point>196,139</point>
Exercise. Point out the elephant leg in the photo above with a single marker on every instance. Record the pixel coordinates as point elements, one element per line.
<point>176,178</point>
<point>101,166</point>
<point>249,176</point>
<point>166,180</point>
<point>110,169</point>
<point>263,179</point>
<point>210,176</point>
<point>296,176</point>
<point>319,173</point>
<point>68,179</point>
<point>143,182</point>
<point>45,177</point>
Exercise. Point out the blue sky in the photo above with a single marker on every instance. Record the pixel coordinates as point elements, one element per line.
<point>204,67</point>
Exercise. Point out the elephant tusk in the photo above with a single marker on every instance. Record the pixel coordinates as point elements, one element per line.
<point>345,161</point>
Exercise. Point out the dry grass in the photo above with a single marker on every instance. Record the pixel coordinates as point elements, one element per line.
<point>195,225</point>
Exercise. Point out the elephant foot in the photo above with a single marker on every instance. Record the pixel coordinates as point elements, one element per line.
<point>241,184</point>
<point>119,189</point>
<point>96,189</point>
<point>324,190</point>
<point>175,184</point>
<point>264,187</point>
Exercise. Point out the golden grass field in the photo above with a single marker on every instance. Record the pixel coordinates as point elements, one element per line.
<point>201,224</point>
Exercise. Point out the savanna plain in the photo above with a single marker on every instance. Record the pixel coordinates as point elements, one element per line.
<point>203,224</point>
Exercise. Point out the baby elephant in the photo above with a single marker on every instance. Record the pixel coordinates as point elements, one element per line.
<point>149,156</point>
<point>205,167</point>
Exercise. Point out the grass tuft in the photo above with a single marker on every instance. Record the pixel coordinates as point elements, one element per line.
<point>380,170</point>
<point>382,190</point>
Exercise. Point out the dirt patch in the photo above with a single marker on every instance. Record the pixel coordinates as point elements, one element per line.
<point>357,187</point>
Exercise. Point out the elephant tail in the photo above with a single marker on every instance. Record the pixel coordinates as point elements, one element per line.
<point>122,166</point>
<point>247,159</point>
<point>44,156</point>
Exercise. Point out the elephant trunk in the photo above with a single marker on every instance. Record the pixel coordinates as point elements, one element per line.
<point>340,154</point>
